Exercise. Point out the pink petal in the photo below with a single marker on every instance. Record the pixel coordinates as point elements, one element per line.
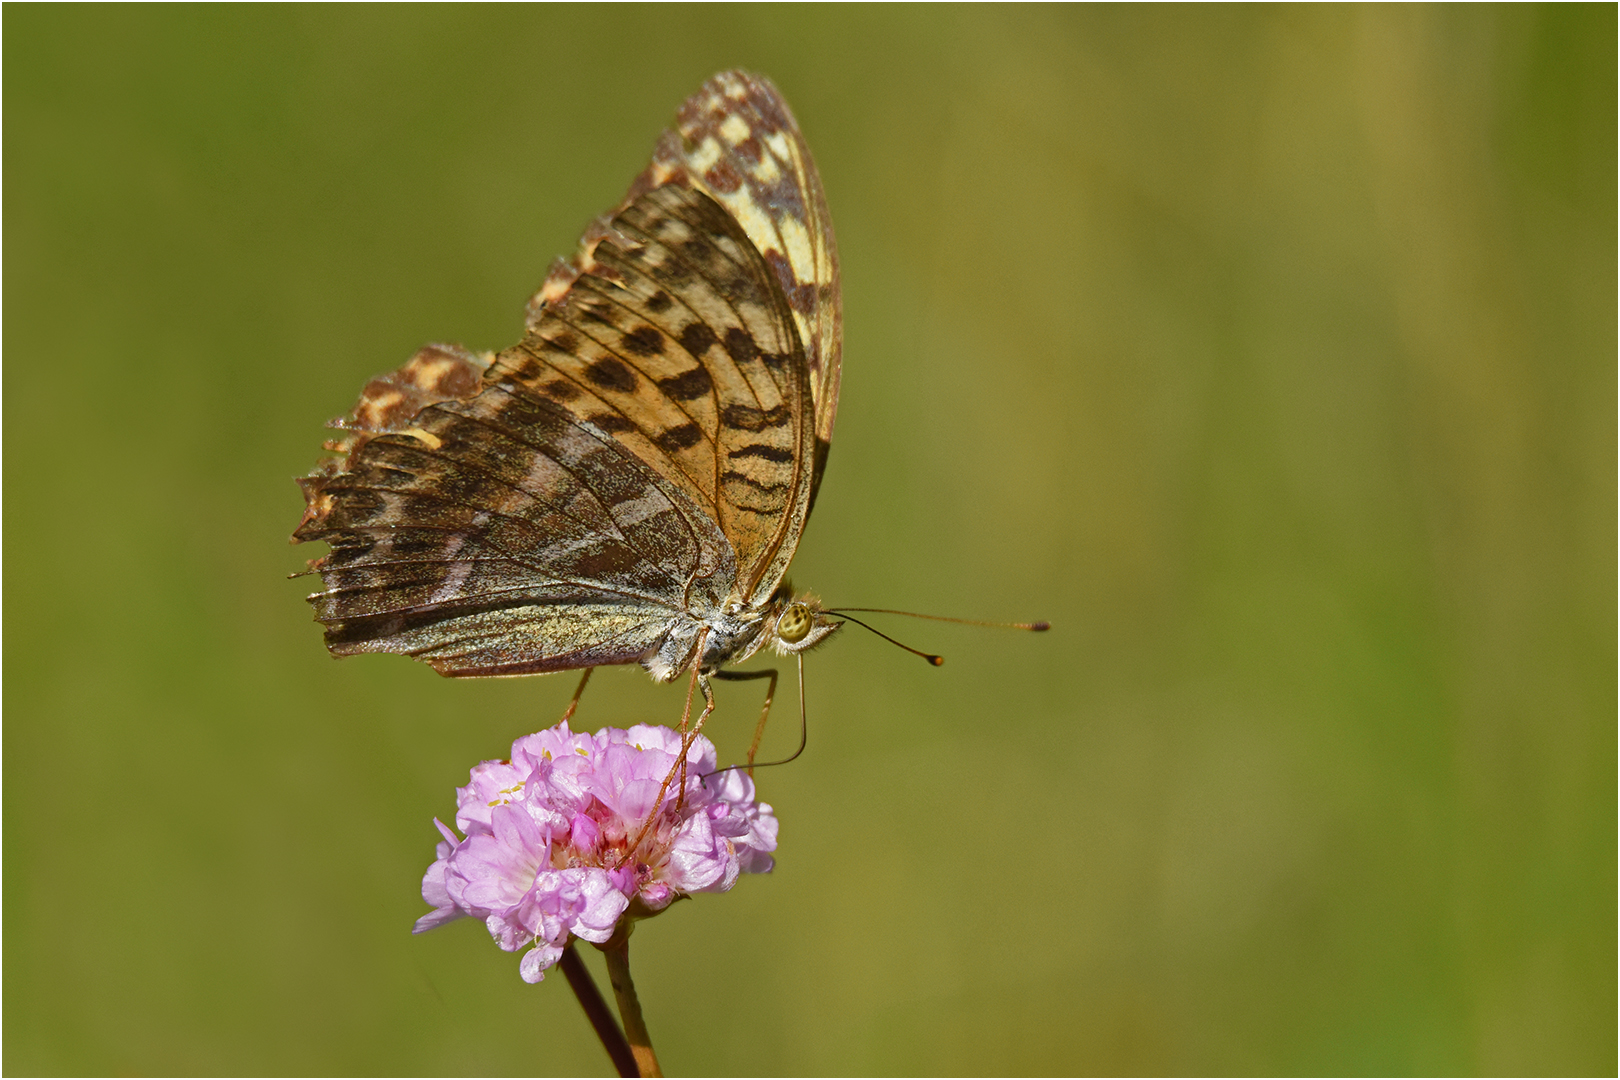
<point>535,962</point>
<point>437,918</point>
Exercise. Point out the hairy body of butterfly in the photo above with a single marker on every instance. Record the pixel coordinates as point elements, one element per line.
<point>629,482</point>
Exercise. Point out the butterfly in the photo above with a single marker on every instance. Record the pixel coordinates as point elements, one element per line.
<point>629,482</point>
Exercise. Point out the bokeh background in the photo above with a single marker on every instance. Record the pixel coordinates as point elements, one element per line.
<point>1269,353</point>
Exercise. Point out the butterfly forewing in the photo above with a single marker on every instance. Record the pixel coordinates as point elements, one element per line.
<point>742,146</point>
<point>680,342</point>
<point>737,142</point>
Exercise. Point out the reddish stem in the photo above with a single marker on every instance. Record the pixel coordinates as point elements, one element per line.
<point>597,1012</point>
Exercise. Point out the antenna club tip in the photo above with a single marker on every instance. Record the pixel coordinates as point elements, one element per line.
<point>1039,626</point>
<point>936,660</point>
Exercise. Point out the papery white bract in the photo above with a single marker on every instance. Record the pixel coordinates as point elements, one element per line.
<point>547,833</point>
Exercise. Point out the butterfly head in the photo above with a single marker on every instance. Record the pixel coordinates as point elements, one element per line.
<point>799,623</point>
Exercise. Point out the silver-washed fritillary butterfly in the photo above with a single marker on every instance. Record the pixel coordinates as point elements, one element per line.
<point>628,483</point>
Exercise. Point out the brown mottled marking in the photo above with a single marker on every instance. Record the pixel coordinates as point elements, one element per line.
<point>740,346</point>
<point>772,487</point>
<point>380,406</point>
<point>751,419</point>
<point>697,337</point>
<point>760,450</point>
<point>643,341</point>
<point>679,438</point>
<point>723,178</point>
<point>612,422</point>
<point>800,294</point>
<point>597,312</point>
<point>611,374</point>
<point>688,385</point>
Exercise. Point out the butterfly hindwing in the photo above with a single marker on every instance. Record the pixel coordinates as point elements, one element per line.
<point>505,538</point>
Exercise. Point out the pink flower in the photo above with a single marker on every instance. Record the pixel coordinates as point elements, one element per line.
<point>547,850</point>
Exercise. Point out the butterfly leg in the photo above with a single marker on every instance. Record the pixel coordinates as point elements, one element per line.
<point>699,680</point>
<point>687,739</point>
<point>764,713</point>
<point>578,692</point>
<point>686,743</point>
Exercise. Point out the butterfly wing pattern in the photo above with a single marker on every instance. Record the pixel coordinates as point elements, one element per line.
<point>629,482</point>
<point>736,141</point>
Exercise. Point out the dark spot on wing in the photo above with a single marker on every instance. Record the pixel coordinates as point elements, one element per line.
<point>755,484</point>
<point>605,561</point>
<point>687,385</point>
<point>659,302</point>
<point>759,450</point>
<point>801,295</point>
<point>742,288</point>
<point>670,271</point>
<point>643,341</point>
<point>612,422</point>
<point>679,438</point>
<point>699,250</point>
<point>697,337</point>
<point>611,374</point>
<point>458,381</point>
<point>723,178</point>
<point>560,390</point>
<point>740,345</point>
<point>751,419</point>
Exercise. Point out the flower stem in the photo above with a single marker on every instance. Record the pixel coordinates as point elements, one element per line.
<point>617,950</point>
<point>596,1011</point>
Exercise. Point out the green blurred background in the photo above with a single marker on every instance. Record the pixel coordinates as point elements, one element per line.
<point>1269,353</point>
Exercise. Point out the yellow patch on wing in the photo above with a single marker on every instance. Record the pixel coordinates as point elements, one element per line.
<point>797,239</point>
<point>756,222</point>
<point>766,171</point>
<point>735,129</point>
<point>554,290</point>
<point>433,441</point>
<point>426,373</point>
<point>373,411</point>
<point>707,153</point>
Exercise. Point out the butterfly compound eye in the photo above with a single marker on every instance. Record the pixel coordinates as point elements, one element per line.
<point>794,624</point>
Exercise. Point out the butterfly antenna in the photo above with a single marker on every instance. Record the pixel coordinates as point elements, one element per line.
<point>1036,626</point>
<point>930,657</point>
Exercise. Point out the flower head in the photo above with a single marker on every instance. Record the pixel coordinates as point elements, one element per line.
<point>547,851</point>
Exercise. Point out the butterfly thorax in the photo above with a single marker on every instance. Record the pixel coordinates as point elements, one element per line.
<point>726,635</point>
<point>733,633</point>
